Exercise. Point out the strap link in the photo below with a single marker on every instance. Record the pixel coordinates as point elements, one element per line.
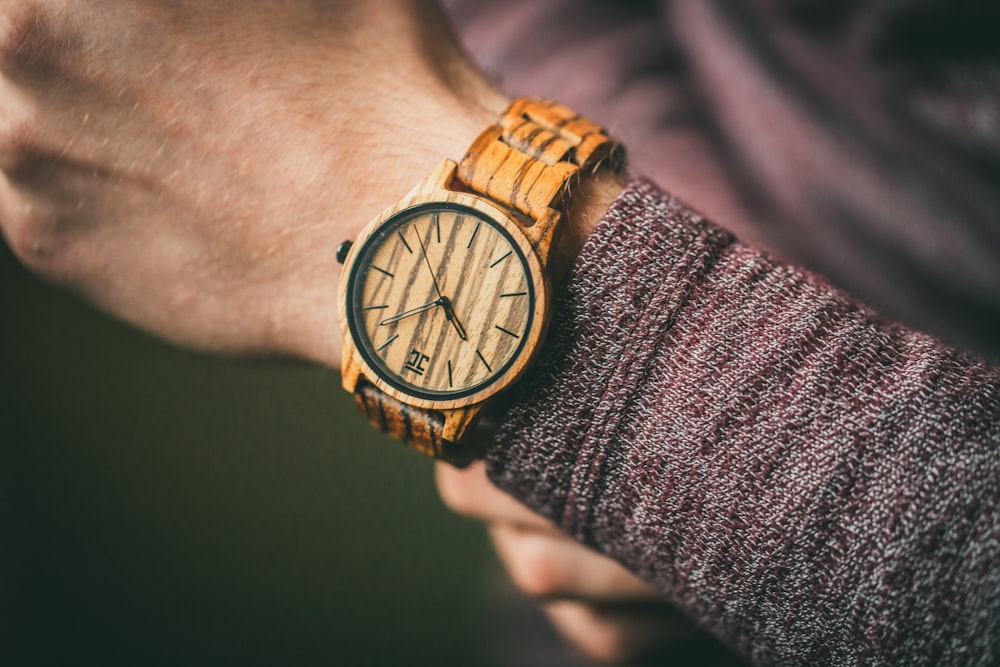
<point>420,428</point>
<point>529,159</point>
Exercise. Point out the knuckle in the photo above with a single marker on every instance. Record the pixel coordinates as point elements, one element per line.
<point>535,568</point>
<point>22,34</point>
<point>609,644</point>
<point>34,239</point>
<point>470,493</point>
<point>37,38</point>
<point>19,146</point>
<point>457,491</point>
<point>536,578</point>
<point>453,497</point>
<point>598,637</point>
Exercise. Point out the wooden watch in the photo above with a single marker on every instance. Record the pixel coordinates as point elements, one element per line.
<point>445,296</point>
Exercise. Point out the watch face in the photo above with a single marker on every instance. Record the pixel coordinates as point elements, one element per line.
<point>440,301</point>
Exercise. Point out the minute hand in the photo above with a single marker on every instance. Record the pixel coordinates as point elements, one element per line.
<point>448,310</point>
<point>412,311</point>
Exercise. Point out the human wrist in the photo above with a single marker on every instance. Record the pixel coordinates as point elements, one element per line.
<point>593,196</point>
<point>436,122</point>
<point>429,104</point>
<point>522,176</point>
<point>448,124</point>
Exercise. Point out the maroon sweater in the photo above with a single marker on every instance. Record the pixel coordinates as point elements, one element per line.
<point>812,483</point>
<point>808,481</point>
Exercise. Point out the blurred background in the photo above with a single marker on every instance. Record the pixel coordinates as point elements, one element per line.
<point>160,507</point>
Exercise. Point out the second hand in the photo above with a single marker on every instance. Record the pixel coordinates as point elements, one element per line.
<point>448,311</point>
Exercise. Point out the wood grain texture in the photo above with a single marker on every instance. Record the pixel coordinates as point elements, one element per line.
<point>528,160</point>
<point>528,163</point>
<point>421,429</point>
<point>487,284</point>
<point>356,367</point>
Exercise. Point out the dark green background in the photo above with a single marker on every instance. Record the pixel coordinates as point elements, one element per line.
<point>160,507</point>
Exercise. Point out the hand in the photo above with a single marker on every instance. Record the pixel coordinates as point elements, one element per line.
<point>603,610</point>
<point>191,166</point>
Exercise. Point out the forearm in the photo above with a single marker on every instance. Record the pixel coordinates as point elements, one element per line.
<point>808,481</point>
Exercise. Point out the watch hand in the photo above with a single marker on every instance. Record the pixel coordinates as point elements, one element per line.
<point>423,251</point>
<point>412,311</point>
<point>449,312</point>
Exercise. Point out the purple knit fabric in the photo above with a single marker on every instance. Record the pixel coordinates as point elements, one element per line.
<point>858,139</point>
<point>808,481</point>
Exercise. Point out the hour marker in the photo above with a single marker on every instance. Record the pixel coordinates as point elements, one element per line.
<point>386,343</point>
<point>408,248</point>
<point>474,232</point>
<point>482,359</point>
<point>382,271</point>
<point>437,225</point>
<point>514,294</point>
<point>450,382</point>
<point>374,307</point>
<point>506,331</point>
<point>500,259</point>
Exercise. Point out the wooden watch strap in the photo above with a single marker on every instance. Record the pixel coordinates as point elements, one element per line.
<point>528,160</point>
<point>421,429</point>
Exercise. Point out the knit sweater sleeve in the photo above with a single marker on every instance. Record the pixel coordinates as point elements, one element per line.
<point>808,481</point>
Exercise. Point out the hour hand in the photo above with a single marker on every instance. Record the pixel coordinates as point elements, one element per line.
<point>449,313</point>
<point>412,311</point>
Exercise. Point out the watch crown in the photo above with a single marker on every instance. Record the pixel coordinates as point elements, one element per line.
<point>342,251</point>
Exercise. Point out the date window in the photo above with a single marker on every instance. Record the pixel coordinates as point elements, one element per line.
<point>416,361</point>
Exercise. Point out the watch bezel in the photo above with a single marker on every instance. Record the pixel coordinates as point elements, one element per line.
<point>537,278</point>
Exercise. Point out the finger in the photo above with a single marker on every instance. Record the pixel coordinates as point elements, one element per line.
<point>31,228</point>
<point>553,566</point>
<point>621,634</point>
<point>49,206</point>
<point>16,220</point>
<point>470,493</point>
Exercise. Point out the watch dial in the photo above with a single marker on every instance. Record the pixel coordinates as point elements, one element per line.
<point>441,301</point>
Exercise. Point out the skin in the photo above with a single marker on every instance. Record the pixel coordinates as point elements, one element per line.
<point>194,184</point>
<point>605,612</point>
<point>191,167</point>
